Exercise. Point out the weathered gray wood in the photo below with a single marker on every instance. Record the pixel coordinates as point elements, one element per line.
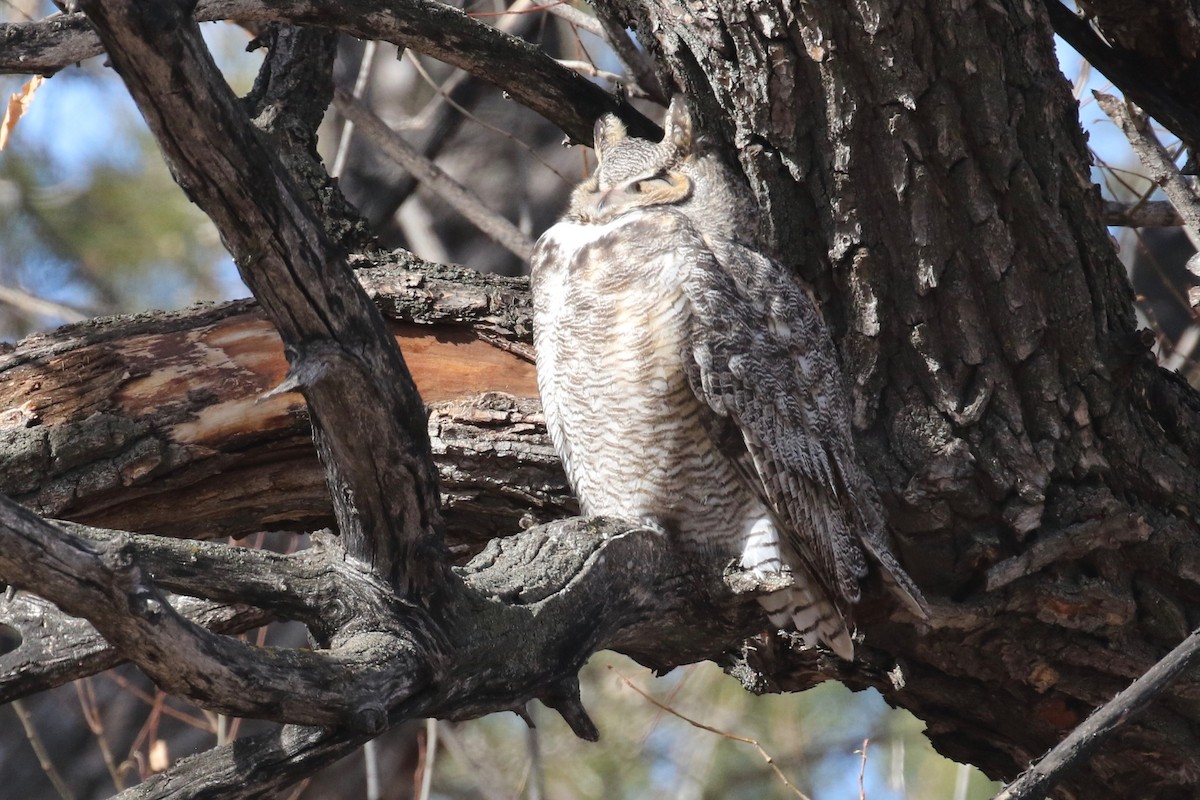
<point>367,417</point>
<point>102,583</point>
<point>57,648</point>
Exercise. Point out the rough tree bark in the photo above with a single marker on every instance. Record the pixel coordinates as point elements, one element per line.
<point>922,164</point>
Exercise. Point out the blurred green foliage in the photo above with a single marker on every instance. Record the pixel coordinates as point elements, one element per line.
<point>90,218</point>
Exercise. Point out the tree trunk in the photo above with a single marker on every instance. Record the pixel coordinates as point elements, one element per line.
<point>922,165</point>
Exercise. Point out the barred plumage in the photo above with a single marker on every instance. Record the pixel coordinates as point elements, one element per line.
<point>689,382</point>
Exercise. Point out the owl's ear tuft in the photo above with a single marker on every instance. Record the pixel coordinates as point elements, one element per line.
<point>607,131</point>
<point>678,124</point>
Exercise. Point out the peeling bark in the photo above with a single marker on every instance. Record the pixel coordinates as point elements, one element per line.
<point>118,423</point>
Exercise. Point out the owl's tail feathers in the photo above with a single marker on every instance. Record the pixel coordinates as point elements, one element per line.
<point>816,619</point>
<point>898,582</point>
<point>875,539</point>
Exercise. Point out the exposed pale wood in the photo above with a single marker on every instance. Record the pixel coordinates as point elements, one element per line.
<point>118,423</point>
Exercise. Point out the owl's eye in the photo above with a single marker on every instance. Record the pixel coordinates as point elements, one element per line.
<point>659,181</point>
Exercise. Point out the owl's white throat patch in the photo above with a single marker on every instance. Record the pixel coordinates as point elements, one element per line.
<point>570,236</point>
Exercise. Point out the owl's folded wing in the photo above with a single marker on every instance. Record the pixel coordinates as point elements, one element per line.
<point>763,359</point>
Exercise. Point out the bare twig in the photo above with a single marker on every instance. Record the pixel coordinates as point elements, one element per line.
<point>43,756</point>
<point>962,781</point>
<point>466,112</point>
<point>487,779</point>
<point>370,752</point>
<point>159,708</point>
<point>591,70</point>
<point>744,739</point>
<point>32,304</point>
<point>862,770</point>
<point>95,722</point>
<point>427,763</point>
<point>360,86</point>
<point>637,62</point>
<point>1088,736</point>
<point>535,789</point>
<point>457,196</point>
<point>578,18</point>
<point>1160,167</point>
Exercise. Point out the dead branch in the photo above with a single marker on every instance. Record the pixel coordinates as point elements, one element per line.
<point>1088,737</point>
<point>104,584</point>
<point>1149,214</point>
<point>383,658</point>
<point>117,423</point>
<point>516,67</point>
<point>453,193</point>
<point>1157,161</point>
<point>366,413</point>
<point>57,648</point>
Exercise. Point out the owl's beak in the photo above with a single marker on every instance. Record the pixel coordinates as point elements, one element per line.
<point>602,201</point>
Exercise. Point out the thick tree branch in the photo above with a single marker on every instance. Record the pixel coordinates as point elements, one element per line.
<point>368,420</point>
<point>57,648</point>
<point>937,190</point>
<point>117,423</point>
<point>250,768</point>
<point>518,68</point>
<point>534,607</point>
<point>301,586</point>
<point>1164,90</point>
<point>288,101</point>
<point>105,585</point>
<point>944,208</point>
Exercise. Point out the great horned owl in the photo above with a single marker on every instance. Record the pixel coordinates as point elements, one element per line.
<point>689,382</point>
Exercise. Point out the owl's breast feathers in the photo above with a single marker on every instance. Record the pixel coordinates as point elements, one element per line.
<point>613,329</point>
